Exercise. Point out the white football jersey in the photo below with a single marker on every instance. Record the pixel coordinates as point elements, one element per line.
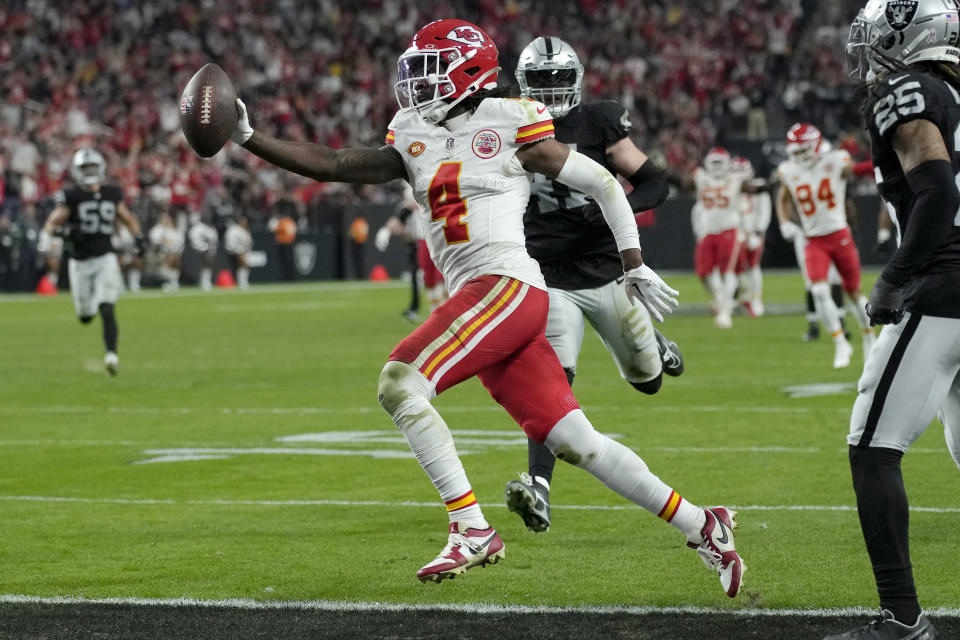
<point>472,189</point>
<point>719,200</point>
<point>167,240</point>
<point>203,237</point>
<point>755,212</point>
<point>819,192</point>
<point>237,240</point>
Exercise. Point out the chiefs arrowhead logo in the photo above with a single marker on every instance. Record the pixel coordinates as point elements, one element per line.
<point>467,35</point>
<point>416,148</point>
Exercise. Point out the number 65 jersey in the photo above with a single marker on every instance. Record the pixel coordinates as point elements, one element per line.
<point>472,189</point>
<point>933,272</point>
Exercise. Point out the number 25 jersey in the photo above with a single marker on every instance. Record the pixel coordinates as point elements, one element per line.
<point>934,272</point>
<point>472,189</point>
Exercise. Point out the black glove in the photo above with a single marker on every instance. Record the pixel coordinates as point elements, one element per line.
<point>140,245</point>
<point>885,249</point>
<point>886,304</point>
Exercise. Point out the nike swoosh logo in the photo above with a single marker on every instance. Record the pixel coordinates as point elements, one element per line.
<point>541,110</point>
<point>725,538</point>
<point>478,547</point>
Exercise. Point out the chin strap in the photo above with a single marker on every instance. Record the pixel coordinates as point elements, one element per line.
<point>435,113</point>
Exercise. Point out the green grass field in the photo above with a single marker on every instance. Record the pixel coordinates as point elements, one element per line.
<point>236,379</point>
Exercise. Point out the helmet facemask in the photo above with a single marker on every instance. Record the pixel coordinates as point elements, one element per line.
<point>424,83</point>
<point>558,89</point>
<point>88,168</point>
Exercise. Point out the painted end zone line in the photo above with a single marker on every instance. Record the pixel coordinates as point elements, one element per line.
<point>326,605</point>
<point>432,505</point>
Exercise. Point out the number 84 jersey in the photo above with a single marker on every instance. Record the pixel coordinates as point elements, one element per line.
<point>472,189</point>
<point>91,220</point>
<point>819,191</point>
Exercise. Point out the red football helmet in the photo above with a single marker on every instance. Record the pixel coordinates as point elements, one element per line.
<point>447,61</point>
<point>804,142</point>
<point>717,162</point>
<point>742,166</point>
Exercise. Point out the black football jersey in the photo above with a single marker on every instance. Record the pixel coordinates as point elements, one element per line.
<point>935,290</point>
<point>91,220</point>
<point>574,252</point>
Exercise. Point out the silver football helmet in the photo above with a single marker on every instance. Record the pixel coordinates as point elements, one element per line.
<point>88,168</point>
<point>550,71</point>
<point>888,35</point>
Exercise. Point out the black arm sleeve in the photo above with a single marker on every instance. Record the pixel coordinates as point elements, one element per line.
<point>936,201</point>
<point>650,187</point>
<point>404,214</point>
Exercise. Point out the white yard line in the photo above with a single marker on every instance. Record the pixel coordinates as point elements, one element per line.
<point>67,409</point>
<point>432,505</point>
<point>328,605</point>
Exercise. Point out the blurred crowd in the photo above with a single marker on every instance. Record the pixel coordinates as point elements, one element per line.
<point>109,73</point>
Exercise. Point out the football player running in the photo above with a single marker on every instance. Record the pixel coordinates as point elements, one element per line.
<point>907,54</point>
<point>568,236</point>
<point>813,182</point>
<point>716,223</point>
<point>91,209</point>
<point>755,212</point>
<point>466,153</point>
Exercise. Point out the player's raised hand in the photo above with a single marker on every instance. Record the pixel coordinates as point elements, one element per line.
<point>243,130</point>
<point>645,285</point>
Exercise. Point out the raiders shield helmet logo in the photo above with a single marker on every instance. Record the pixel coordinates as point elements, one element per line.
<point>305,257</point>
<point>900,13</point>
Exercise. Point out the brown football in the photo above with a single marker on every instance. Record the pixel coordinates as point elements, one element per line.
<point>208,111</point>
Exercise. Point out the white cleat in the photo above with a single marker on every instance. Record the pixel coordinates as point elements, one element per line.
<point>112,363</point>
<point>723,320</point>
<point>841,356</point>
<point>758,308</point>
<point>717,549</point>
<point>464,550</point>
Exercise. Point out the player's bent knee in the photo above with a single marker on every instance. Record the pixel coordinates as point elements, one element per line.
<point>399,385</point>
<point>574,440</point>
<point>649,387</point>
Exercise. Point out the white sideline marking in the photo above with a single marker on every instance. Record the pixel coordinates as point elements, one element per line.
<point>492,408</point>
<point>432,505</point>
<point>329,605</point>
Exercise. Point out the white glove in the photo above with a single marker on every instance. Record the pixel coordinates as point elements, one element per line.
<point>754,241</point>
<point>382,239</point>
<point>44,241</point>
<point>883,235</point>
<point>645,285</point>
<point>790,231</point>
<point>243,130</point>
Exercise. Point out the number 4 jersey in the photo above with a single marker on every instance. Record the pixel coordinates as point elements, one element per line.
<point>472,189</point>
<point>819,191</point>
<point>901,98</point>
<point>91,220</point>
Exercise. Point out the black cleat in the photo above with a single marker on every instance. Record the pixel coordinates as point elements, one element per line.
<point>530,500</point>
<point>885,627</point>
<point>670,355</point>
<point>813,333</point>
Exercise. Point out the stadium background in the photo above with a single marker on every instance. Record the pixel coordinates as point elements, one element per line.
<point>109,74</point>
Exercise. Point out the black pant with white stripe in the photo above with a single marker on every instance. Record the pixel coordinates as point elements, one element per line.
<point>910,377</point>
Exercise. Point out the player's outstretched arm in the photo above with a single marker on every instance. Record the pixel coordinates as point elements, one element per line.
<point>367,166</point>
<point>558,162</point>
<point>786,213</point>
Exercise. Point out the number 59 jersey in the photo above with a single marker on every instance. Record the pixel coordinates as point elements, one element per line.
<point>472,189</point>
<point>91,220</point>
<point>819,191</point>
